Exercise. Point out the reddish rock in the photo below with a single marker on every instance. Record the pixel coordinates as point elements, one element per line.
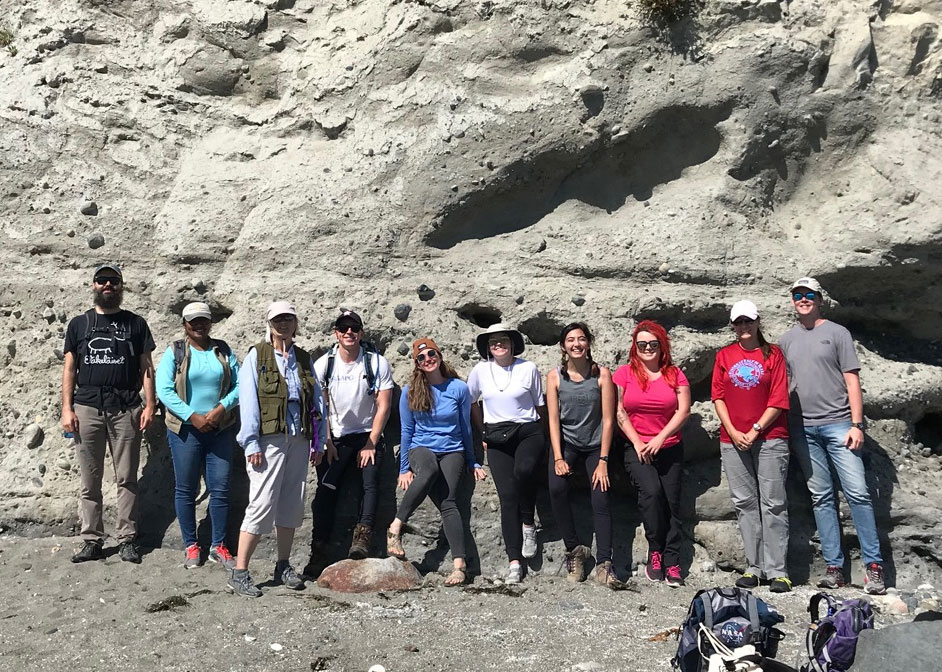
<point>370,575</point>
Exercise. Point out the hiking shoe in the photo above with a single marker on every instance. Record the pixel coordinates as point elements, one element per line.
<point>780,584</point>
<point>654,570</point>
<point>91,550</point>
<point>287,577</point>
<point>514,574</point>
<point>192,559</point>
<point>575,563</point>
<point>834,578</point>
<point>873,579</point>
<point>240,583</point>
<point>360,548</point>
<point>317,562</point>
<point>529,541</point>
<point>128,552</point>
<point>222,555</point>
<point>604,574</point>
<point>748,580</point>
<point>674,580</point>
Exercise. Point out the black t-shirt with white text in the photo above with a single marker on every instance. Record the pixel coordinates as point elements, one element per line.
<point>108,349</point>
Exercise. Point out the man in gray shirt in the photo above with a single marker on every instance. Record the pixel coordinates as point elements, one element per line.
<point>827,424</point>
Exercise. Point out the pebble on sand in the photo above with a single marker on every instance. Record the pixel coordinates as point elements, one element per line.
<point>96,240</point>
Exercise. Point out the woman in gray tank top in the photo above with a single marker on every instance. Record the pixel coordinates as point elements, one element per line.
<point>580,399</point>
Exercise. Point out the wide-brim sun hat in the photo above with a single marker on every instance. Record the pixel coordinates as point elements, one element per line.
<point>516,338</point>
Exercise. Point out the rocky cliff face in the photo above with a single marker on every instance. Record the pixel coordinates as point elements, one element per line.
<point>527,161</point>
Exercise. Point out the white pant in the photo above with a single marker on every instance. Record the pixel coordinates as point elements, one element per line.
<point>278,487</point>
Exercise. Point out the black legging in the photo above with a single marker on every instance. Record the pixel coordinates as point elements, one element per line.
<point>514,467</point>
<point>659,499</point>
<point>559,487</point>
<point>437,475</point>
<point>324,503</point>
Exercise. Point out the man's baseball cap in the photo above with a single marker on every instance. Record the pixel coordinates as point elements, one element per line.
<point>348,317</point>
<point>197,309</point>
<point>110,267</point>
<point>808,282</point>
<point>744,309</point>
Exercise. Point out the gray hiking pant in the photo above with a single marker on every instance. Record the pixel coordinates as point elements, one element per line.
<point>119,432</point>
<point>757,486</point>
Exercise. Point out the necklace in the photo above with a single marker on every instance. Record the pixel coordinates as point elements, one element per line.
<point>509,377</point>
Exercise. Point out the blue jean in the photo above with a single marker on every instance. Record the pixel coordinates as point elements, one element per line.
<point>193,451</point>
<point>815,447</point>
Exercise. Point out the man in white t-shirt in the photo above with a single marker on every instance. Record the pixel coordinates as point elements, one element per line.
<point>357,384</point>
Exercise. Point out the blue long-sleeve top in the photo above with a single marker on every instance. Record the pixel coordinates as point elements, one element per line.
<point>250,414</point>
<point>444,429</point>
<point>203,377</point>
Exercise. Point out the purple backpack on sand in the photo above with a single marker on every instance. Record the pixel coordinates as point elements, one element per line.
<point>832,639</point>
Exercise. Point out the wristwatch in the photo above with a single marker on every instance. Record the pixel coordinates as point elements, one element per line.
<point>756,426</point>
<point>859,425</point>
<point>604,458</point>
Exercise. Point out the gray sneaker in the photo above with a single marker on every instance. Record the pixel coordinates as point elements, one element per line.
<point>240,583</point>
<point>222,555</point>
<point>873,579</point>
<point>192,558</point>
<point>514,574</point>
<point>529,541</point>
<point>287,577</point>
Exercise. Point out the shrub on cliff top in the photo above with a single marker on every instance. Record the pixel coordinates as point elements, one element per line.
<point>667,11</point>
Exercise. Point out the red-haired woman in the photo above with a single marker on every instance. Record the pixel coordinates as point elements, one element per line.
<point>655,404</point>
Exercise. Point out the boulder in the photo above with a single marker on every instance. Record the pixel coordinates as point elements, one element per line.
<point>915,647</point>
<point>369,576</point>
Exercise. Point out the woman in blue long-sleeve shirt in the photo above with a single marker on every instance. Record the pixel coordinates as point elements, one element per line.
<point>197,381</point>
<point>436,450</point>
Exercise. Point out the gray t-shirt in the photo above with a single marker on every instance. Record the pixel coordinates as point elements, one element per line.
<point>817,360</point>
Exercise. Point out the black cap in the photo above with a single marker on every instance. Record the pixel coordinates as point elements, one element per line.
<point>348,317</point>
<point>112,267</point>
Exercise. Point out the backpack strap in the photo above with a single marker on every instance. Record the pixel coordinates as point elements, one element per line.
<point>753,608</point>
<point>815,604</point>
<point>179,352</point>
<point>328,372</point>
<point>369,352</point>
<point>707,609</point>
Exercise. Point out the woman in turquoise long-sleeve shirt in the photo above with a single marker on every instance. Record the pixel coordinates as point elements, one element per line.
<point>197,381</point>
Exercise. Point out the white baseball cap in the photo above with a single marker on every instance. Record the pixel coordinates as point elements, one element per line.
<point>197,309</point>
<point>743,309</point>
<point>276,308</point>
<point>810,283</point>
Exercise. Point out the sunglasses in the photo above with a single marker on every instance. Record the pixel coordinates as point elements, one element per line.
<point>428,354</point>
<point>283,318</point>
<point>344,328</point>
<point>498,341</point>
<point>648,345</point>
<point>798,296</point>
<point>740,321</point>
<point>112,280</point>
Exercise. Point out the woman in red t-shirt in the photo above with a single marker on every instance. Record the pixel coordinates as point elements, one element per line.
<point>654,404</point>
<point>750,391</point>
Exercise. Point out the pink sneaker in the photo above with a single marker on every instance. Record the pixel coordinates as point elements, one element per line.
<point>674,579</point>
<point>654,570</point>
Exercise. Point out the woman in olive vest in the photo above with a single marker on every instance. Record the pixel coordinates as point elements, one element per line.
<point>282,412</point>
<point>197,381</point>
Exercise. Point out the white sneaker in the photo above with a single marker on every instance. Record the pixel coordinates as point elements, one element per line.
<point>514,574</point>
<point>529,541</point>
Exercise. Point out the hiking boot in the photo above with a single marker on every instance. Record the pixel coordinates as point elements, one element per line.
<point>780,584</point>
<point>654,570</point>
<point>575,563</point>
<point>529,541</point>
<point>873,579</point>
<point>222,555</point>
<point>240,583</point>
<point>91,550</point>
<point>287,577</point>
<point>834,578</point>
<point>192,557</point>
<point>748,580</point>
<point>360,548</point>
<point>317,562</point>
<point>674,580</point>
<point>128,552</point>
<point>514,574</point>
<point>604,574</point>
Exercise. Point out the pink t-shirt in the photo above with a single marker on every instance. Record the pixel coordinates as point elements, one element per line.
<point>649,410</point>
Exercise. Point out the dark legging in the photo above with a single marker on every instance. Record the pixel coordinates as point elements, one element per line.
<point>329,477</point>
<point>437,475</point>
<point>658,486</point>
<point>514,467</point>
<point>559,487</point>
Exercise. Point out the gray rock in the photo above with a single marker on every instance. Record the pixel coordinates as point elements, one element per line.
<point>11,347</point>
<point>578,300</point>
<point>96,240</point>
<point>403,349</point>
<point>34,435</point>
<point>49,315</point>
<point>88,207</point>
<point>425,292</point>
<point>401,311</point>
<point>211,71</point>
<point>914,647</point>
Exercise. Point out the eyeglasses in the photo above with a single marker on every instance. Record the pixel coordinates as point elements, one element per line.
<point>283,318</point>
<point>344,328</point>
<point>798,296</point>
<point>740,321</point>
<point>498,341</point>
<point>112,280</point>
<point>648,345</point>
<point>426,354</point>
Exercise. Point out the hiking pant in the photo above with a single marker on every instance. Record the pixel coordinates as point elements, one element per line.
<point>559,488</point>
<point>514,468</point>
<point>195,452</point>
<point>119,431</point>
<point>278,486</point>
<point>757,486</point>
<point>658,486</point>
<point>815,447</point>
<point>438,476</point>
<point>330,476</point>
